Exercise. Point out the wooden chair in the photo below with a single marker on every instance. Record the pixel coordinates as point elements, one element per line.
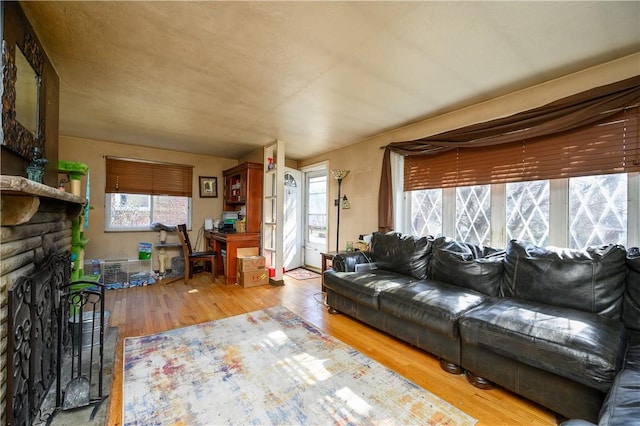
<point>191,257</point>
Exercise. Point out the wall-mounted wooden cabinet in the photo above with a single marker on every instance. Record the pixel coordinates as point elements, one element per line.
<point>243,187</point>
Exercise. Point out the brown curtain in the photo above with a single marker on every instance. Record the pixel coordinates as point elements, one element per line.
<point>385,204</point>
<point>583,109</point>
<point>144,177</point>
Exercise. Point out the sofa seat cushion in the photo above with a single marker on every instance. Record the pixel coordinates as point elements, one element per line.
<point>364,287</point>
<point>579,346</point>
<point>435,305</point>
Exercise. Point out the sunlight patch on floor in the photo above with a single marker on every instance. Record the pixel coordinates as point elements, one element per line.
<point>354,402</point>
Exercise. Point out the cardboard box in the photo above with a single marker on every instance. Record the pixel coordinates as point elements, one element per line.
<point>253,278</point>
<point>247,251</point>
<point>250,263</point>
<point>249,260</point>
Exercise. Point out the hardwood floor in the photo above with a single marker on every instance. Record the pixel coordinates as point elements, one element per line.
<point>159,307</point>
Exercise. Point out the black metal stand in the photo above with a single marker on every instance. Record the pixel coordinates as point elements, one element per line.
<point>81,346</point>
<point>338,221</point>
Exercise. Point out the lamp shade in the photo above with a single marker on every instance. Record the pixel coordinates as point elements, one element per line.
<point>340,174</point>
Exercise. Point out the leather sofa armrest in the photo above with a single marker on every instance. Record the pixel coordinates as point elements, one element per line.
<point>346,262</point>
<point>576,422</point>
<point>620,407</point>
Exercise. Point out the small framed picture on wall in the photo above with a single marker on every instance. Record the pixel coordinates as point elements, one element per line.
<point>208,187</point>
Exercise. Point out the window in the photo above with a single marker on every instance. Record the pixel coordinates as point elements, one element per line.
<point>564,174</point>
<point>135,212</point>
<point>598,210</point>
<point>426,212</point>
<point>576,212</point>
<point>316,209</point>
<point>473,214</point>
<point>571,188</point>
<point>138,193</point>
<point>528,211</point>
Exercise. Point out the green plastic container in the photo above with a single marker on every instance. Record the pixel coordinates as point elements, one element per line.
<point>144,251</point>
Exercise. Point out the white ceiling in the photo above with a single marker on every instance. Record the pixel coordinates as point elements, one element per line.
<point>225,78</point>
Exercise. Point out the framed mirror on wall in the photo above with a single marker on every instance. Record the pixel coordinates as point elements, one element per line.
<point>27,93</point>
<point>23,123</point>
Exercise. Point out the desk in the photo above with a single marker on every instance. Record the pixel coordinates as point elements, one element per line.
<point>328,256</point>
<point>230,242</point>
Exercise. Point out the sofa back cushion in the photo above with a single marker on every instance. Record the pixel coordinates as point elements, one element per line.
<point>631,306</point>
<point>467,265</point>
<point>404,254</point>
<point>591,280</point>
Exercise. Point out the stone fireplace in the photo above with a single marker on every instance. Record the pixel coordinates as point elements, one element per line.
<point>35,230</point>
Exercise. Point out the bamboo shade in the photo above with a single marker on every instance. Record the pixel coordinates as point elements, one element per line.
<point>142,177</point>
<point>609,147</point>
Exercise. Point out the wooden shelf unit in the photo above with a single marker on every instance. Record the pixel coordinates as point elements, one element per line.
<point>273,205</point>
<point>243,187</point>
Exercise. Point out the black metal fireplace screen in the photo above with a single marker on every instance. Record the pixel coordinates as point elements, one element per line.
<point>49,341</point>
<point>33,332</point>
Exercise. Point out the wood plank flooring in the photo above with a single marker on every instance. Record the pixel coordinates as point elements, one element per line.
<point>159,307</point>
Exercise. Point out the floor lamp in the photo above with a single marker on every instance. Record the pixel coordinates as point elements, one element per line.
<point>339,174</point>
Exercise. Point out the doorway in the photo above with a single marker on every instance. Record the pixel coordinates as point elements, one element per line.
<point>315,215</point>
<point>292,235</point>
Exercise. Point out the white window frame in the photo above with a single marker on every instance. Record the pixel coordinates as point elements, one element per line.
<point>107,215</point>
<point>633,210</point>
<point>558,212</point>
<point>400,220</point>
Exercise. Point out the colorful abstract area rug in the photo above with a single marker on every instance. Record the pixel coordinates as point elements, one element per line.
<point>267,367</point>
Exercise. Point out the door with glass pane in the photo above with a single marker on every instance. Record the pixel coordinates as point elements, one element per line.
<point>292,219</point>
<point>315,223</point>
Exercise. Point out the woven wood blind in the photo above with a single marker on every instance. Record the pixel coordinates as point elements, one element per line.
<point>609,147</point>
<point>141,177</point>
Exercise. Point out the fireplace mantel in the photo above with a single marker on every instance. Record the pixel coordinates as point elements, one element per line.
<point>21,199</point>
